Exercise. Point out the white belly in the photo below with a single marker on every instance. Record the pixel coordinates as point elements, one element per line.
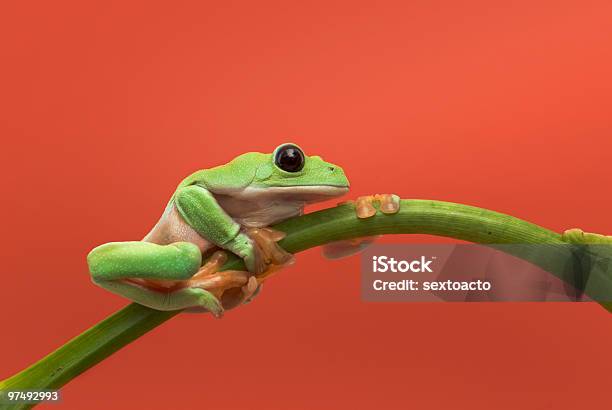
<point>171,228</point>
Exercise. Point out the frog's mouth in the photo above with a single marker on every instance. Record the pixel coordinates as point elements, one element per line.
<point>302,193</point>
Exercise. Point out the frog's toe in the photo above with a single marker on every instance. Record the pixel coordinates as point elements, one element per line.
<point>255,261</point>
<point>341,249</point>
<point>364,207</point>
<point>389,203</point>
<point>266,241</point>
<point>250,288</point>
<point>253,295</point>
<point>210,303</point>
<point>212,266</point>
<point>217,283</point>
<point>279,256</point>
<point>237,296</point>
<point>206,302</point>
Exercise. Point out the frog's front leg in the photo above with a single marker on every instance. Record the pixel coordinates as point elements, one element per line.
<point>125,267</point>
<point>257,246</point>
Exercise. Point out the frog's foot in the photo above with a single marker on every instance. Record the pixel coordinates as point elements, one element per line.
<point>212,280</point>
<point>267,252</point>
<point>235,297</point>
<point>212,266</point>
<point>231,287</point>
<point>389,204</point>
<point>341,249</point>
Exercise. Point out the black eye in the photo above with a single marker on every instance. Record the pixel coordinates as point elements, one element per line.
<point>289,158</point>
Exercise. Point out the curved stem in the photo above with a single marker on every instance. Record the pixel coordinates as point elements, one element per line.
<point>314,229</point>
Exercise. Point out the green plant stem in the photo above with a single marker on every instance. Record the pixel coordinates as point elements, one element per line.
<point>314,229</point>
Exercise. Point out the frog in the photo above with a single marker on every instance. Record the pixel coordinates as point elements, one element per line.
<point>215,211</point>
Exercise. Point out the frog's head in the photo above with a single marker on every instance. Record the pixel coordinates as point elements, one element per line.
<point>288,171</point>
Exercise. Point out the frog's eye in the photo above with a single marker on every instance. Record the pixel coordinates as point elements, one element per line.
<point>289,158</point>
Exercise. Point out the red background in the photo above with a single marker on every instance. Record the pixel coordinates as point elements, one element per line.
<point>105,106</point>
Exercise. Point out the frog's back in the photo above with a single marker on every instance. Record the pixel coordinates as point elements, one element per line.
<point>236,175</point>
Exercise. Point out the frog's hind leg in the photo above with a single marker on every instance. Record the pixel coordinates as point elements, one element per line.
<point>179,299</point>
<point>170,277</point>
<point>126,268</point>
